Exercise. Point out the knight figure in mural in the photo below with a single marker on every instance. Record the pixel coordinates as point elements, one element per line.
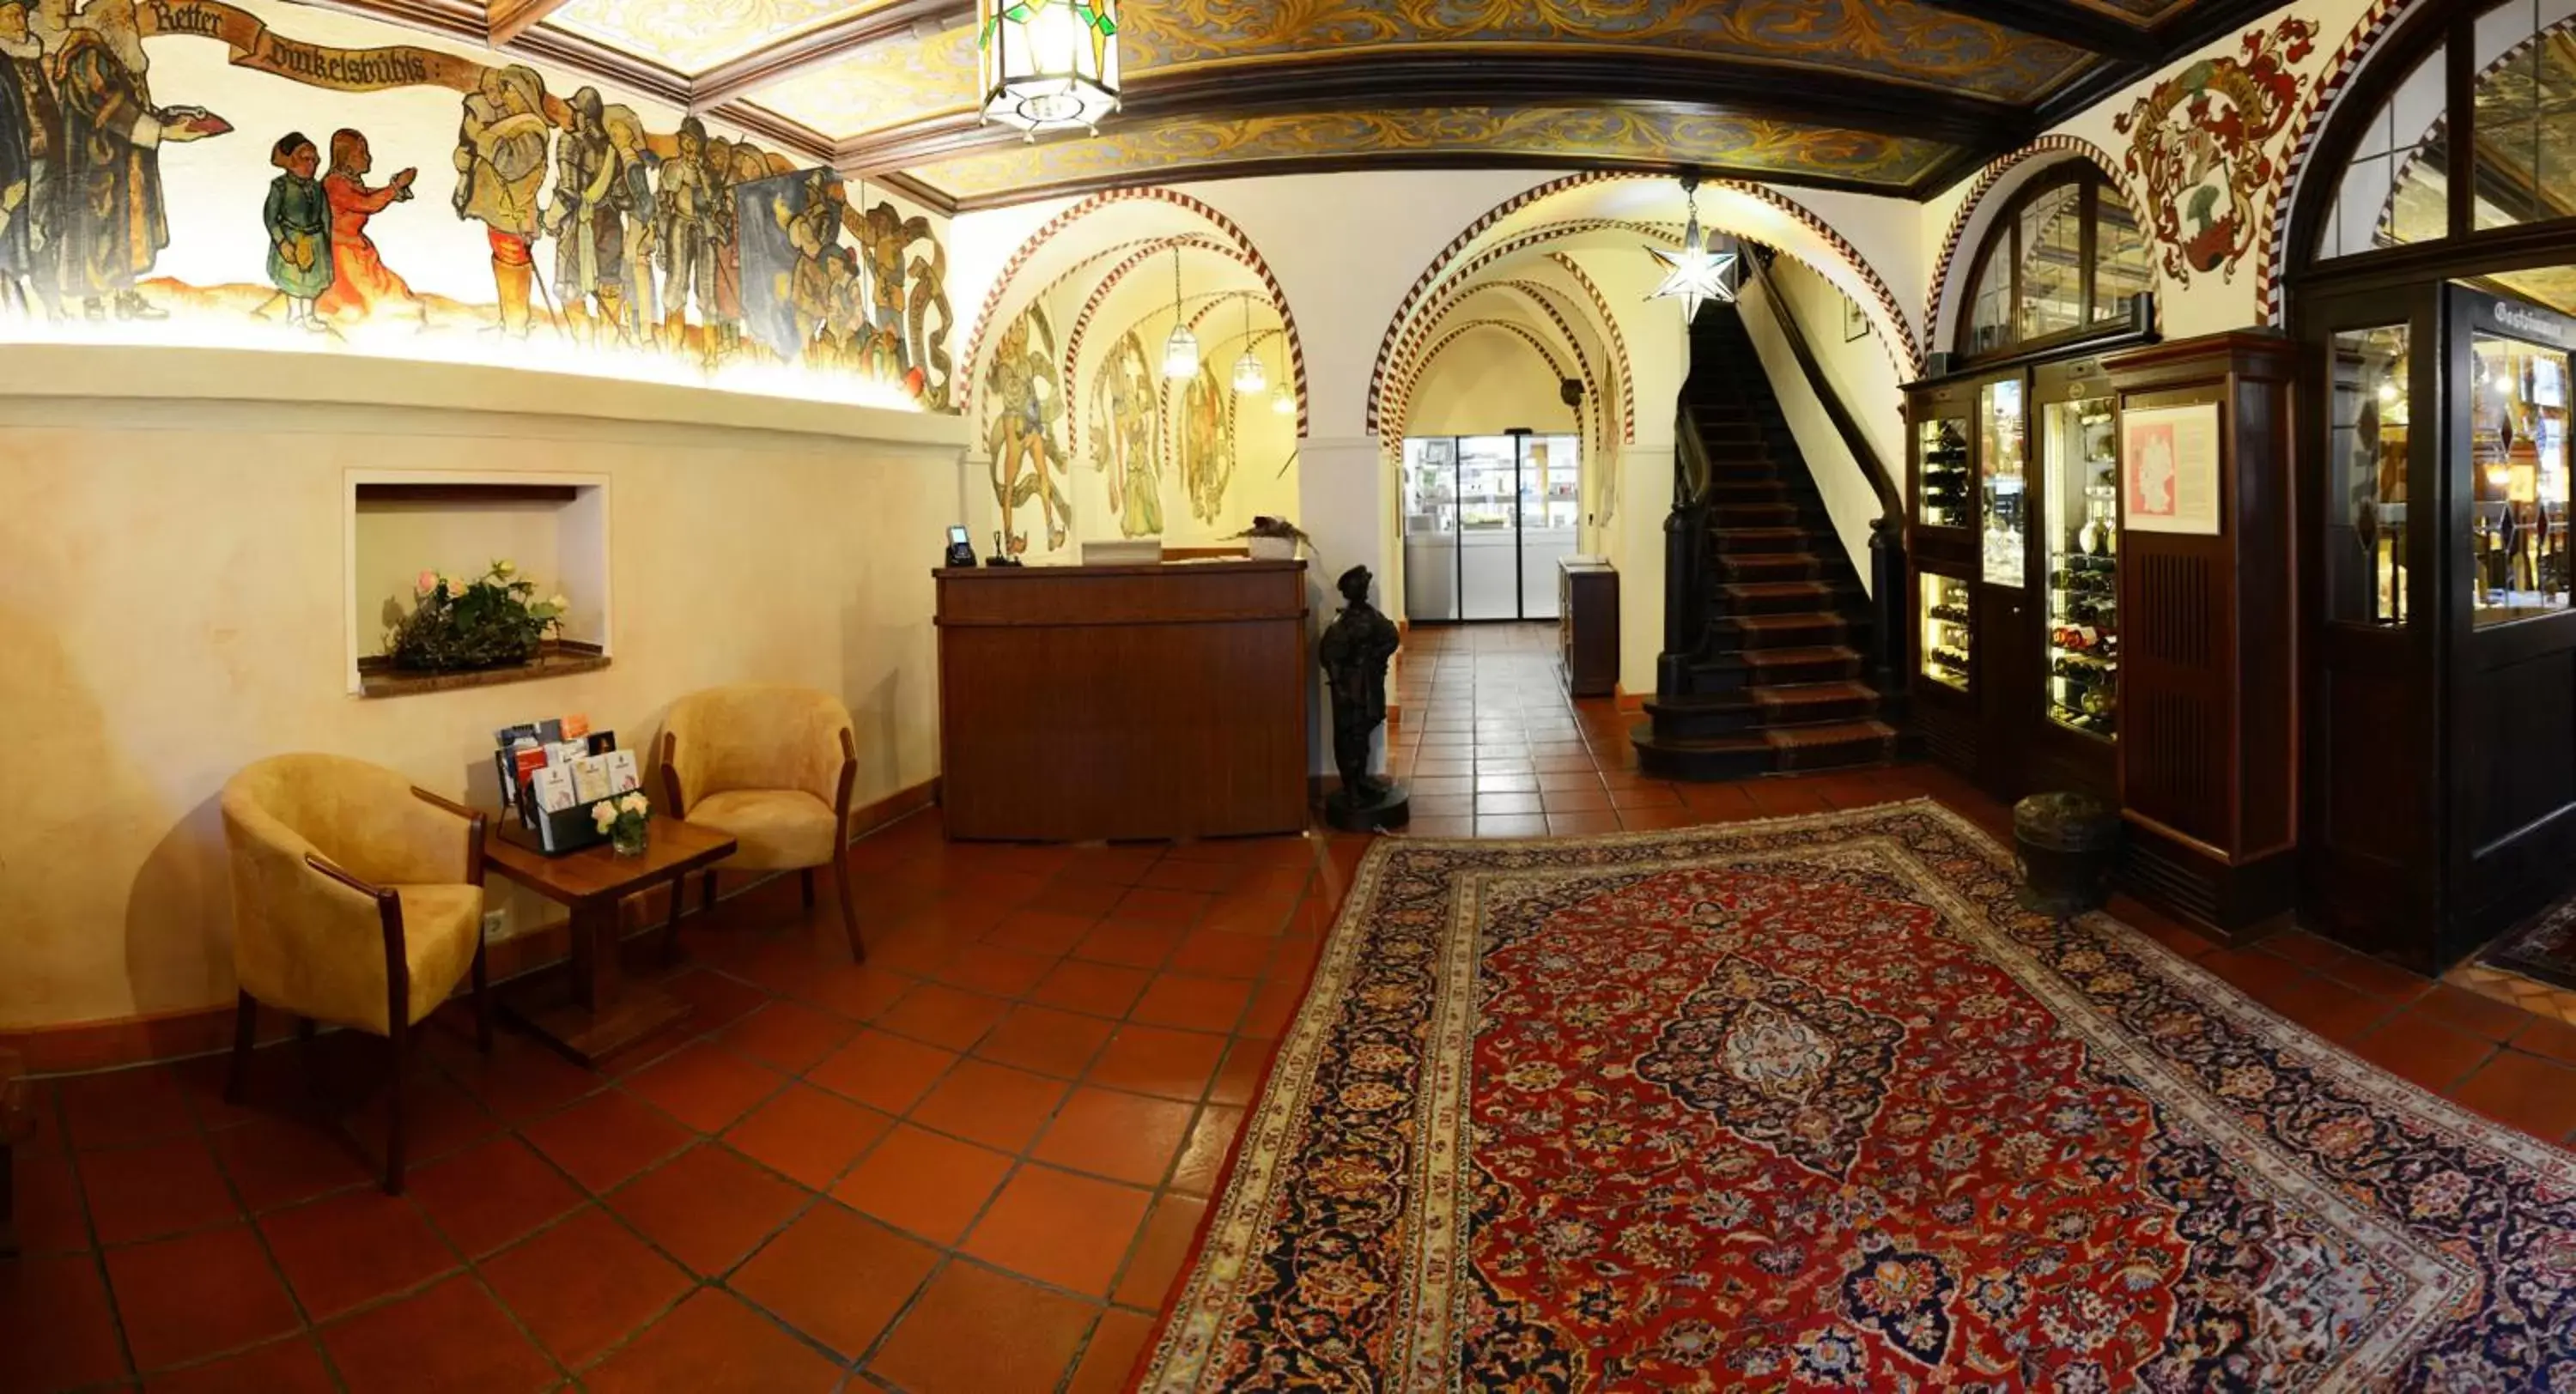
<point>686,230</point>
<point>1354,652</point>
<point>1027,404</point>
<point>500,166</point>
<point>635,162</point>
<point>112,224</point>
<point>584,218</point>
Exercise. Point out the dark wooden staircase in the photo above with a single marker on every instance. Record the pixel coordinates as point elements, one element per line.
<point>1777,678</point>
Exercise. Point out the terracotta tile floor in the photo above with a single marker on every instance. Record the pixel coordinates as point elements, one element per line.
<point>974,1165</point>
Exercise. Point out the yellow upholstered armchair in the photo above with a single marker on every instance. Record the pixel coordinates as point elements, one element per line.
<point>357,900</point>
<point>772,768</point>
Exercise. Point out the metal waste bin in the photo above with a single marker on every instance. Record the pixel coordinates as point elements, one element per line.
<point>2063,845</point>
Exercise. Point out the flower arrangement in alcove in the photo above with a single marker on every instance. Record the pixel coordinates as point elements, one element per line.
<point>490,621</point>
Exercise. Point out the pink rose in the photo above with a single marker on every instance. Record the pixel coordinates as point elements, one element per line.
<point>455,589</point>
<point>428,582</point>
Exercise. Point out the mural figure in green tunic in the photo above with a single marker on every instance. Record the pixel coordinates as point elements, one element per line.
<point>298,217</point>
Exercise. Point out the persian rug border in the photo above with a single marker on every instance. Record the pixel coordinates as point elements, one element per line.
<point>1428,1298</point>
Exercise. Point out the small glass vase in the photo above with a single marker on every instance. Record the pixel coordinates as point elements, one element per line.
<point>628,839</point>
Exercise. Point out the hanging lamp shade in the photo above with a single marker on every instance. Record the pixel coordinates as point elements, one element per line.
<point>1282,400</point>
<point>1249,375</point>
<point>1181,353</point>
<point>1181,350</point>
<point>1048,65</point>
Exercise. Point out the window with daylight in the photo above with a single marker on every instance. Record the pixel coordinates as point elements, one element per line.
<point>2066,253</point>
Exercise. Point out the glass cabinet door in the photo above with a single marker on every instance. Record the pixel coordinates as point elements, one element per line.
<point>2517,554</point>
<point>2001,491</point>
<point>2081,530</point>
<point>1946,630</point>
<point>2365,505</point>
<point>1941,454</point>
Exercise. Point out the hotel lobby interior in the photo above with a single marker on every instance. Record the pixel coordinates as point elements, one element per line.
<point>976,696</point>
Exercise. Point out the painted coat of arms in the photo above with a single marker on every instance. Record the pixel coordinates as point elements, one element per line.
<point>2199,147</point>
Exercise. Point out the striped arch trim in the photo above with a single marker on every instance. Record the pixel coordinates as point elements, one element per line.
<point>2305,127</point>
<point>1460,281</point>
<point>1618,345</point>
<point>1544,296</point>
<point>1978,191</point>
<point>1151,251</point>
<point>1439,270</point>
<point>1150,193</point>
<point>1404,395</point>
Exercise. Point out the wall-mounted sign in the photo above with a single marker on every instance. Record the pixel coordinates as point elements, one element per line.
<point>2169,469</point>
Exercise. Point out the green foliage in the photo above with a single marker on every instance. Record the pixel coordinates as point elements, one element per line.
<point>492,621</point>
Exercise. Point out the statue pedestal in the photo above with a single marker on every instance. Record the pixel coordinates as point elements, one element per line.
<point>1389,809</point>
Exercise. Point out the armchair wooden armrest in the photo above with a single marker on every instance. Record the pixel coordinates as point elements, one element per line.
<point>669,760</point>
<point>841,800</point>
<point>473,831</point>
<point>388,915</point>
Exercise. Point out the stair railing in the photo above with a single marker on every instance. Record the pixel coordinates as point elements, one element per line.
<point>1685,547</point>
<point>1890,633</point>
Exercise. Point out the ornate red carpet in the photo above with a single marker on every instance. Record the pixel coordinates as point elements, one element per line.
<point>1812,1104</point>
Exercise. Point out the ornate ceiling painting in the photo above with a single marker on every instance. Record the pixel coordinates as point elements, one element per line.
<point>1897,96</point>
<point>1599,136</point>
<point>692,36</point>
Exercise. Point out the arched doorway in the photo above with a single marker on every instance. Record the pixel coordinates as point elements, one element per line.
<point>2431,283</point>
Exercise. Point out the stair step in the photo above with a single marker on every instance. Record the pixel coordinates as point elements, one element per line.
<point>1787,630</point>
<point>1774,597</point>
<point>1781,667</point>
<point>1745,568</point>
<point>1730,540</point>
<point>1831,746</point>
<point>1816,702</point>
<point>1753,515</point>
<point>1701,757</point>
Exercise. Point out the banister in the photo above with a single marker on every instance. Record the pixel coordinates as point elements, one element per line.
<point>1891,502</point>
<point>1891,643</point>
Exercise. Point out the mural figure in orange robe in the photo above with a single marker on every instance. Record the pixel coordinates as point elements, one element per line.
<point>361,286</point>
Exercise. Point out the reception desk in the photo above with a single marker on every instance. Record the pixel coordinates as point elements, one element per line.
<point>1092,702</point>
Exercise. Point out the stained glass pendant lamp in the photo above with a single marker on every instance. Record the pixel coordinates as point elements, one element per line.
<point>1249,375</point>
<point>1181,351</point>
<point>1694,274</point>
<point>1048,65</point>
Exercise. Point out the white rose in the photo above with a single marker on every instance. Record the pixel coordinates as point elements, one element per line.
<point>602,815</point>
<point>503,567</point>
<point>558,603</point>
<point>635,804</point>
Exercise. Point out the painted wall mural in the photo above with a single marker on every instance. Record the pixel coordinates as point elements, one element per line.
<point>1189,462</point>
<point>1207,442</point>
<point>1024,430</point>
<point>591,231</point>
<point>1126,443</point>
<point>2200,148</point>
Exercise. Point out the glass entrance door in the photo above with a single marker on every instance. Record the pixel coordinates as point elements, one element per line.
<point>1489,511</point>
<point>1550,494</point>
<point>1430,529</point>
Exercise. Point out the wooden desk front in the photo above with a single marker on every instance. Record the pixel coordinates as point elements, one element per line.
<point>1087,702</point>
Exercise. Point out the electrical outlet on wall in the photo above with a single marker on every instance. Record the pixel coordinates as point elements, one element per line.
<point>496,925</point>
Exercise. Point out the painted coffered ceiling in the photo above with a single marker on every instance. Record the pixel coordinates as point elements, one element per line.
<point>1897,96</point>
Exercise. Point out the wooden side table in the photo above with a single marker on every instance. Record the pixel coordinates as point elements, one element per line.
<point>602,1011</point>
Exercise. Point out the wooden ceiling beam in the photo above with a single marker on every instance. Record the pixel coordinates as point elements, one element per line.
<point>842,37</point>
<point>1364,161</point>
<point>1663,84</point>
<point>508,19</point>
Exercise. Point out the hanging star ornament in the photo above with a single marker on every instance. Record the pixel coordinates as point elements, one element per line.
<point>1694,275</point>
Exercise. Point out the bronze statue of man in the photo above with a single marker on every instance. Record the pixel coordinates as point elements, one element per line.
<point>1354,652</point>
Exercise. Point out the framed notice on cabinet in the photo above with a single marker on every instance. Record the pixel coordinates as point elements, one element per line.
<point>2169,469</point>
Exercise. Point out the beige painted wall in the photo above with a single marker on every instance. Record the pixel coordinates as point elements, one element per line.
<point>173,609</point>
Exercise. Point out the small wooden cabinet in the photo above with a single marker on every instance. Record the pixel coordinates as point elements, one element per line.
<point>1587,626</point>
